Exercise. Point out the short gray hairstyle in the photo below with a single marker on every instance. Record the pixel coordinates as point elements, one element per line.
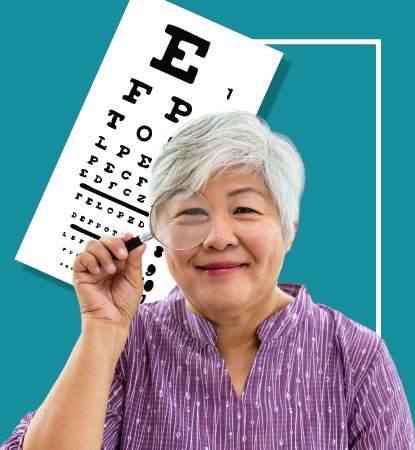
<point>204,148</point>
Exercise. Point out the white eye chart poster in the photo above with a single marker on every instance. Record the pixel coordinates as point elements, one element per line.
<point>164,67</point>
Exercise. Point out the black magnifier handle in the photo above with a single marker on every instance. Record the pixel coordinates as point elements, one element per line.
<point>130,245</point>
<point>135,242</point>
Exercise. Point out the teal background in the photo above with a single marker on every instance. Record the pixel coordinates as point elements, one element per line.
<point>322,97</point>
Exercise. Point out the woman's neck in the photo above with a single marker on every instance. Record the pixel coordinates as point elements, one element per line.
<point>240,331</point>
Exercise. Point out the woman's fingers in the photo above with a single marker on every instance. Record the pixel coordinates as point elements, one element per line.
<point>116,245</point>
<point>100,250</point>
<point>86,262</point>
<point>98,253</point>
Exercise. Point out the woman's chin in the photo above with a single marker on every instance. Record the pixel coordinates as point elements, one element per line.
<point>223,300</point>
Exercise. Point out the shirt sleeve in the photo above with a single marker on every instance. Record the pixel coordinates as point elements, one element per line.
<point>15,441</point>
<point>115,408</point>
<point>381,416</point>
<point>113,418</point>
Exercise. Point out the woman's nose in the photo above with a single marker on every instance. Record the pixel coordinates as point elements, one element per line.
<point>221,235</point>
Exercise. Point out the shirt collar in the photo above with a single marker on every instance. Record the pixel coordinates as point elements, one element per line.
<point>199,328</point>
<point>288,318</point>
<point>271,328</point>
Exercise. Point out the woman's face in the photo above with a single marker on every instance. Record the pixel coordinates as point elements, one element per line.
<point>245,232</point>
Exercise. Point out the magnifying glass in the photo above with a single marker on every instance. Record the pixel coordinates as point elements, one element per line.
<point>180,219</point>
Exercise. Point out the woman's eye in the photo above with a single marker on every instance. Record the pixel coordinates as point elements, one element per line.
<point>193,212</point>
<point>243,210</point>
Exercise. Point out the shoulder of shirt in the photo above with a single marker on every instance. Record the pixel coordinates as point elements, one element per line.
<point>156,308</point>
<point>148,316</point>
<point>357,344</point>
<point>151,313</point>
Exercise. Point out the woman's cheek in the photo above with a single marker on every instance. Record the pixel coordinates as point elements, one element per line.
<point>269,254</point>
<point>179,262</point>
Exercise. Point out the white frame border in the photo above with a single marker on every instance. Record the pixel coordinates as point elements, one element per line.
<point>377,43</point>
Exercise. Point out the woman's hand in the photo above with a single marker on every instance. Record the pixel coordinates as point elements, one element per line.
<point>109,294</point>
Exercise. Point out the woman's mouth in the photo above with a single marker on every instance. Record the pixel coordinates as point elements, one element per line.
<point>224,268</point>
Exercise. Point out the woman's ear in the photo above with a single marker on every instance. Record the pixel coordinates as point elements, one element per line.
<point>295,232</point>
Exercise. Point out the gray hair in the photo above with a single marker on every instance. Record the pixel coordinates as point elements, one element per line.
<point>203,149</point>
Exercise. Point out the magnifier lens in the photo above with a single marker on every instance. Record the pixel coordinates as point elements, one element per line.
<point>181,219</point>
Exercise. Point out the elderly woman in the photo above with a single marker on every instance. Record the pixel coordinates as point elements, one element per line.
<point>230,358</point>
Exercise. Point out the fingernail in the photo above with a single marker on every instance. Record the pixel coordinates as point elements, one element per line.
<point>122,252</point>
<point>111,267</point>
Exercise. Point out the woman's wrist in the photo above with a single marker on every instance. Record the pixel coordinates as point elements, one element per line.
<point>108,336</point>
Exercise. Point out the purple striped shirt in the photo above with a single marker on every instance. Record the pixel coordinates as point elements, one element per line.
<point>319,381</point>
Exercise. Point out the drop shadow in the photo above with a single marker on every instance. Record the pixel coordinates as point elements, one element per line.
<point>48,278</point>
<point>274,88</point>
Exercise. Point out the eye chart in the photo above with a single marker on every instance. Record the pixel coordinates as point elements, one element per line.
<point>165,66</point>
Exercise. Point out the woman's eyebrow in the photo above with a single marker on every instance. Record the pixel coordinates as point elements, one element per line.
<point>243,190</point>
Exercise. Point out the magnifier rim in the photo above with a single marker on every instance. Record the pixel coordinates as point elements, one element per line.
<point>151,215</point>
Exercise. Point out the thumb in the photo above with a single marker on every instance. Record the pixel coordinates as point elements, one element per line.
<point>133,270</point>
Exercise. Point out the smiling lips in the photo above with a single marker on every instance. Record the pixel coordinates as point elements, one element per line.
<point>221,268</point>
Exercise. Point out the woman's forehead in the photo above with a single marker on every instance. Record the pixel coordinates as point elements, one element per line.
<point>231,183</point>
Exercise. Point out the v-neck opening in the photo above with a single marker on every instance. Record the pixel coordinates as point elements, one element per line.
<point>243,394</point>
